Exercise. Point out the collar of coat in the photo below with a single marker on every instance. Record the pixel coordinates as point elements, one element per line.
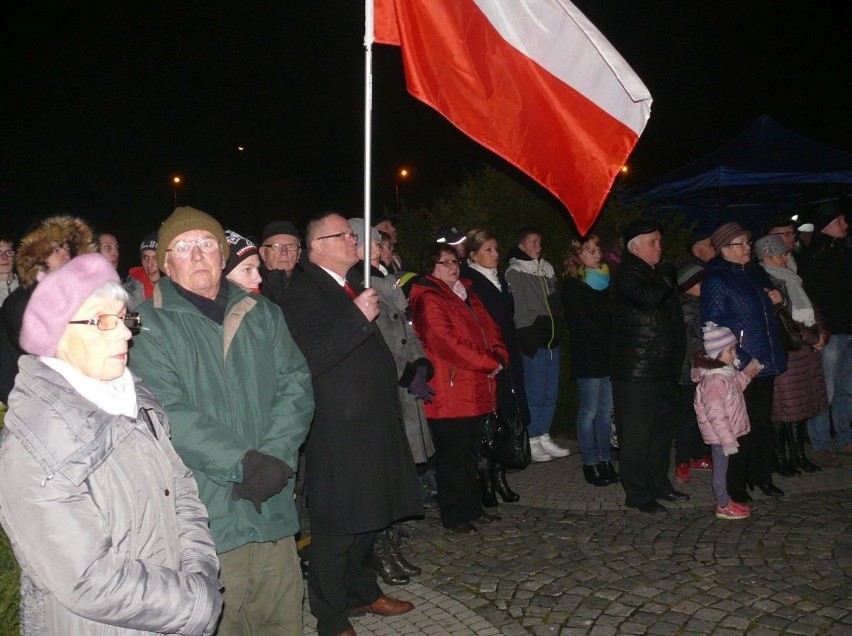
<point>66,433</point>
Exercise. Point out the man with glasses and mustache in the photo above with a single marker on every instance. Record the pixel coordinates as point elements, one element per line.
<point>360,474</point>
<point>280,248</point>
<point>238,394</point>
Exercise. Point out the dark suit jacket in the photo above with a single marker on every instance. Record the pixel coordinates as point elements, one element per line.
<point>360,473</point>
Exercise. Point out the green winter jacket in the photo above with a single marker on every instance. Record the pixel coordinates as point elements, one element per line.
<point>228,389</point>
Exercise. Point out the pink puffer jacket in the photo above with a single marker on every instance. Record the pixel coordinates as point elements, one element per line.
<point>719,402</point>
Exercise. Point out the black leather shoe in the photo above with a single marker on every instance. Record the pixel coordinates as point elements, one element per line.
<point>465,527</point>
<point>650,507</point>
<point>770,490</point>
<point>674,496</point>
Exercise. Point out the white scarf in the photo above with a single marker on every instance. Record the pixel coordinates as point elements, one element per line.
<point>489,272</point>
<point>116,397</point>
<point>537,267</point>
<point>803,309</point>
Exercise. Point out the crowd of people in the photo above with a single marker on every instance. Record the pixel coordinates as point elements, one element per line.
<point>162,432</point>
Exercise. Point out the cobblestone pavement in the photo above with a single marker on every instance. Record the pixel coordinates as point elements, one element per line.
<point>569,558</point>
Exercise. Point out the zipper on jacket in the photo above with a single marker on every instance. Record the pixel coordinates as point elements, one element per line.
<point>539,275</point>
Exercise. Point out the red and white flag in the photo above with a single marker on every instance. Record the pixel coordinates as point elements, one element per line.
<point>532,80</point>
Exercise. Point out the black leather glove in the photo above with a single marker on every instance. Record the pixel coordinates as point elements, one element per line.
<point>263,477</point>
<point>418,387</point>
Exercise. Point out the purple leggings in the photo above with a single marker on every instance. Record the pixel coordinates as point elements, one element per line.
<point>720,470</point>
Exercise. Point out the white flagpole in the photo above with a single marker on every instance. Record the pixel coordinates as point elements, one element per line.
<point>369,32</point>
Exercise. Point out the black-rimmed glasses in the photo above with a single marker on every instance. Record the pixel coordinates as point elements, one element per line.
<point>281,247</point>
<point>448,262</point>
<point>108,322</point>
<point>340,235</point>
<point>740,244</point>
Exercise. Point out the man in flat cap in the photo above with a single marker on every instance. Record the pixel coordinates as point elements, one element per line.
<point>647,352</point>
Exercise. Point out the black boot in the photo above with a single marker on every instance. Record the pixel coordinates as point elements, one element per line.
<point>593,475</point>
<point>489,498</point>
<point>382,563</point>
<point>394,535</point>
<point>796,438</point>
<point>607,471</point>
<point>780,464</point>
<point>497,475</point>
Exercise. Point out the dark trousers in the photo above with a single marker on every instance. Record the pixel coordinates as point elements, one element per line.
<point>457,444</point>
<point>644,421</point>
<point>688,442</point>
<point>753,461</point>
<point>340,577</point>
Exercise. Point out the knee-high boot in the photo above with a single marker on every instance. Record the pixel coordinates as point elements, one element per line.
<point>796,438</point>
<point>486,485</point>
<point>780,464</point>
<point>497,475</point>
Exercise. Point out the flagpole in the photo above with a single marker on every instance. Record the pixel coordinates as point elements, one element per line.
<point>369,32</point>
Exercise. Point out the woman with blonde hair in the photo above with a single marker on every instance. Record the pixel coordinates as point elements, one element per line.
<point>585,300</point>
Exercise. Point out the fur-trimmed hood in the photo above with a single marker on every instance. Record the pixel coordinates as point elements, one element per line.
<point>36,246</point>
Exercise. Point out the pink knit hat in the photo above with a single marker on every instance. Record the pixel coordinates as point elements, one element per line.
<point>717,339</point>
<point>57,297</point>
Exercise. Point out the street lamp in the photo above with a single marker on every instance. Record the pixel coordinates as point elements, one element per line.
<point>176,183</point>
<point>402,173</point>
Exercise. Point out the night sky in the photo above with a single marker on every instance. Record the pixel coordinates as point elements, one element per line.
<point>103,103</point>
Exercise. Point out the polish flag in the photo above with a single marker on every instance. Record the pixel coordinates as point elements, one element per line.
<point>532,80</point>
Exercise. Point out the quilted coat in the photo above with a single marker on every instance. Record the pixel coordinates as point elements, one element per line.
<point>103,516</point>
<point>648,335</point>
<point>719,402</point>
<point>464,345</point>
<point>734,296</point>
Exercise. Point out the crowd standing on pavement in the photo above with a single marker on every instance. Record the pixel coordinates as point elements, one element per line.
<point>261,370</point>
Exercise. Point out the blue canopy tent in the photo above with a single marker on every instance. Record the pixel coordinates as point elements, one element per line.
<point>766,171</point>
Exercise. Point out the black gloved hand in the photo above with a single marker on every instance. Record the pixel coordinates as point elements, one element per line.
<point>418,387</point>
<point>263,477</point>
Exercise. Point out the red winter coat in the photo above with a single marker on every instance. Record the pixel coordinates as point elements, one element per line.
<point>464,345</point>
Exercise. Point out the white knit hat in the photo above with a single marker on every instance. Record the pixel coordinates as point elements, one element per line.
<point>717,339</point>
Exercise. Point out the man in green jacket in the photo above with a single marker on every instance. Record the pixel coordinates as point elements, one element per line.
<point>238,393</point>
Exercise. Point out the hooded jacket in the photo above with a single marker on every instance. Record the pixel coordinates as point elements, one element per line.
<point>464,345</point>
<point>103,516</point>
<point>719,402</point>
<point>533,285</point>
<point>36,246</point>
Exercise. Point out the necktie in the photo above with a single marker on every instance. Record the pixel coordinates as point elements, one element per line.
<point>348,289</point>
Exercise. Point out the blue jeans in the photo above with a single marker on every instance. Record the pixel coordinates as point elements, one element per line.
<point>837,365</point>
<point>593,411</point>
<point>541,379</point>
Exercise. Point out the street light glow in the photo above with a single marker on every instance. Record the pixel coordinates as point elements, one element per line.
<point>176,180</point>
<point>403,172</point>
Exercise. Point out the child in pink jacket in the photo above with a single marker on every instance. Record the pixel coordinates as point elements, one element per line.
<point>721,409</point>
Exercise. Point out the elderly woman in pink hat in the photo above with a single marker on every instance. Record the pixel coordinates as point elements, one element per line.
<point>103,516</point>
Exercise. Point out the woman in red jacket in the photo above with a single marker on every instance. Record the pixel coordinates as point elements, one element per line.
<point>465,347</point>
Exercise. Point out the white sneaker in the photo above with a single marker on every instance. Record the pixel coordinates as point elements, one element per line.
<point>552,448</point>
<point>537,453</point>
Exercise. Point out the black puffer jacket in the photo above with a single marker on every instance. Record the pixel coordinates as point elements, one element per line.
<point>648,335</point>
<point>826,270</point>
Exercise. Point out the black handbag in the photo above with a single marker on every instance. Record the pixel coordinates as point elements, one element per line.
<point>505,439</point>
<point>788,329</point>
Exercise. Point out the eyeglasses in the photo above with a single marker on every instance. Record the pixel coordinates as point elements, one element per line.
<point>281,247</point>
<point>340,235</point>
<point>740,244</point>
<point>183,249</point>
<point>448,262</point>
<point>108,322</point>
<point>9,253</point>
